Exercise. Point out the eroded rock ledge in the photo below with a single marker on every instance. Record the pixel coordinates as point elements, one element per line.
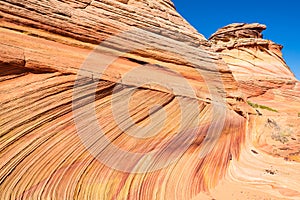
<point>243,35</point>
<point>239,35</point>
<point>256,63</point>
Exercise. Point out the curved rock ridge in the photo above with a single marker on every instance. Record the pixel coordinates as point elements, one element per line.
<point>92,21</point>
<point>171,105</point>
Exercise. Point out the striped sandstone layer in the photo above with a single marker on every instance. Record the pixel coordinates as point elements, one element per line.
<point>173,79</point>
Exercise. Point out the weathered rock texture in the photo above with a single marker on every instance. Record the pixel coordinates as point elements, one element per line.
<point>42,156</point>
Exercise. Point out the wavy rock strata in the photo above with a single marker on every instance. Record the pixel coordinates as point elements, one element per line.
<point>171,105</point>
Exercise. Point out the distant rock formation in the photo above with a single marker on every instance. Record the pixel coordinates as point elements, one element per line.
<point>243,45</point>
<point>181,117</point>
<point>257,64</point>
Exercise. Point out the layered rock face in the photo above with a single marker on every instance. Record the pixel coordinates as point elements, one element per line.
<point>125,100</point>
<point>242,46</point>
<point>257,63</point>
<point>258,66</point>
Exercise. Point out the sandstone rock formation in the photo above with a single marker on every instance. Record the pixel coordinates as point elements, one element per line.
<point>172,106</point>
<point>252,58</point>
<point>270,87</point>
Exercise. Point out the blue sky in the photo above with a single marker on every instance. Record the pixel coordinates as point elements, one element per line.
<point>281,17</point>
